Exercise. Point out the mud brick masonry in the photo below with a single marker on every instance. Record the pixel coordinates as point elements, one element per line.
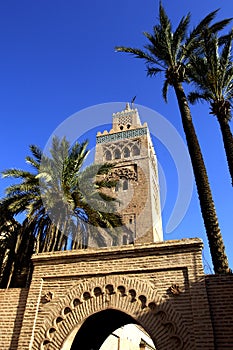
<point>161,286</point>
<point>77,296</point>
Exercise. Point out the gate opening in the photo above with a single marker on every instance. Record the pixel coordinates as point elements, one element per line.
<point>128,337</point>
<point>104,328</point>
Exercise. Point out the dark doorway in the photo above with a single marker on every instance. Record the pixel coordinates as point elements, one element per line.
<point>97,328</point>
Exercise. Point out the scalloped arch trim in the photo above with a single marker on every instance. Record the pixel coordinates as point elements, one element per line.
<point>134,297</point>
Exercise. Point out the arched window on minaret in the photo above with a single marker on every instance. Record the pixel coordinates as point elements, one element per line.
<point>125,185</point>
<point>117,154</point>
<point>125,239</point>
<point>117,187</point>
<point>135,150</point>
<point>108,155</point>
<point>126,152</point>
<point>130,238</point>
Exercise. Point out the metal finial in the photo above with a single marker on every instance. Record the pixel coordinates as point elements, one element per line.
<point>132,101</point>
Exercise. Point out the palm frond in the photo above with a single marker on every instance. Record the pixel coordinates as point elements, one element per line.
<point>180,34</point>
<point>225,57</point>
<point>194,97</point>
<point>17,173</point>
<point>152,71</point>
<point>192,41</point>
<point>138,54</point>
<point>36,152</point>
<point>164,20</point>
<point>31,161</point>
<point>203,24</point>
<point>165,90</point>
<point>217,27</point>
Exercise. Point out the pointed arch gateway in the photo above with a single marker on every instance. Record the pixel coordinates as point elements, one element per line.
<point>96,329</point>
<point>130,300</point>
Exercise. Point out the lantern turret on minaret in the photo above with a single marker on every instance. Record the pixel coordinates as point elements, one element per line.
<point>129,147</point>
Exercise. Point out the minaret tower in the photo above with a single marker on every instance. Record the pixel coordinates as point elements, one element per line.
<point>129,147</point>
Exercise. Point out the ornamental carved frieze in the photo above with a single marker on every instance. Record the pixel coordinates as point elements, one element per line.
<point>118,136</point>
<point>123,173</point>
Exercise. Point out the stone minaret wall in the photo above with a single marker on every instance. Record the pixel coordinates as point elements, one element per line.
<point>129,147</point>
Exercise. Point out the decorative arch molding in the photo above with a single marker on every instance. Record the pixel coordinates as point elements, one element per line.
<point>137,298</point>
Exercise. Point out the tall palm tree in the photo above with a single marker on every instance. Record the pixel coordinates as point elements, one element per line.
<point>168,52</point>
<point>212,74</point>
<point>64,204</point>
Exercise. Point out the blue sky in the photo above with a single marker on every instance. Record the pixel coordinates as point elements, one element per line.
<point>57,58</point>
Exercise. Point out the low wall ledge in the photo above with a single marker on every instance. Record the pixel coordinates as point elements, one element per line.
<point>158,248</point>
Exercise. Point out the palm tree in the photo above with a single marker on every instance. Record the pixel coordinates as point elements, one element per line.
<point>212,74</point>
<point>168,52</point>
<point>64,204</point>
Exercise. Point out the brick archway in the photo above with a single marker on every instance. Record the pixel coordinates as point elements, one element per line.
<point>132,297</point>
<point>161,286</point>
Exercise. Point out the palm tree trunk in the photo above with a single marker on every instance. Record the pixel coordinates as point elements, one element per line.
<point>22,266</point>
<point>13,262</point>
<point>8,269</point>
<point>61,237</point>
<point>56,236</point>
<point>228,143</point>
<point>217,248</point>
<point>48,239</point>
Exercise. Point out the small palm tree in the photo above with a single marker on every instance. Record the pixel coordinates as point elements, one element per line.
<point>64,204</point>
<point>168,52</point>
<point>212,74</point>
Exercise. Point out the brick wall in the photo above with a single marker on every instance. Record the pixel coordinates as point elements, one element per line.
<point>220,295</point>
<point>173,321</point>
<point>12,309</point>
<point>141,277</point>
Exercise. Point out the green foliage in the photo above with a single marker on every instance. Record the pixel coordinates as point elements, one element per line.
<point>168,50</point>
<point>212,74</point>
<point>64,204</point>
